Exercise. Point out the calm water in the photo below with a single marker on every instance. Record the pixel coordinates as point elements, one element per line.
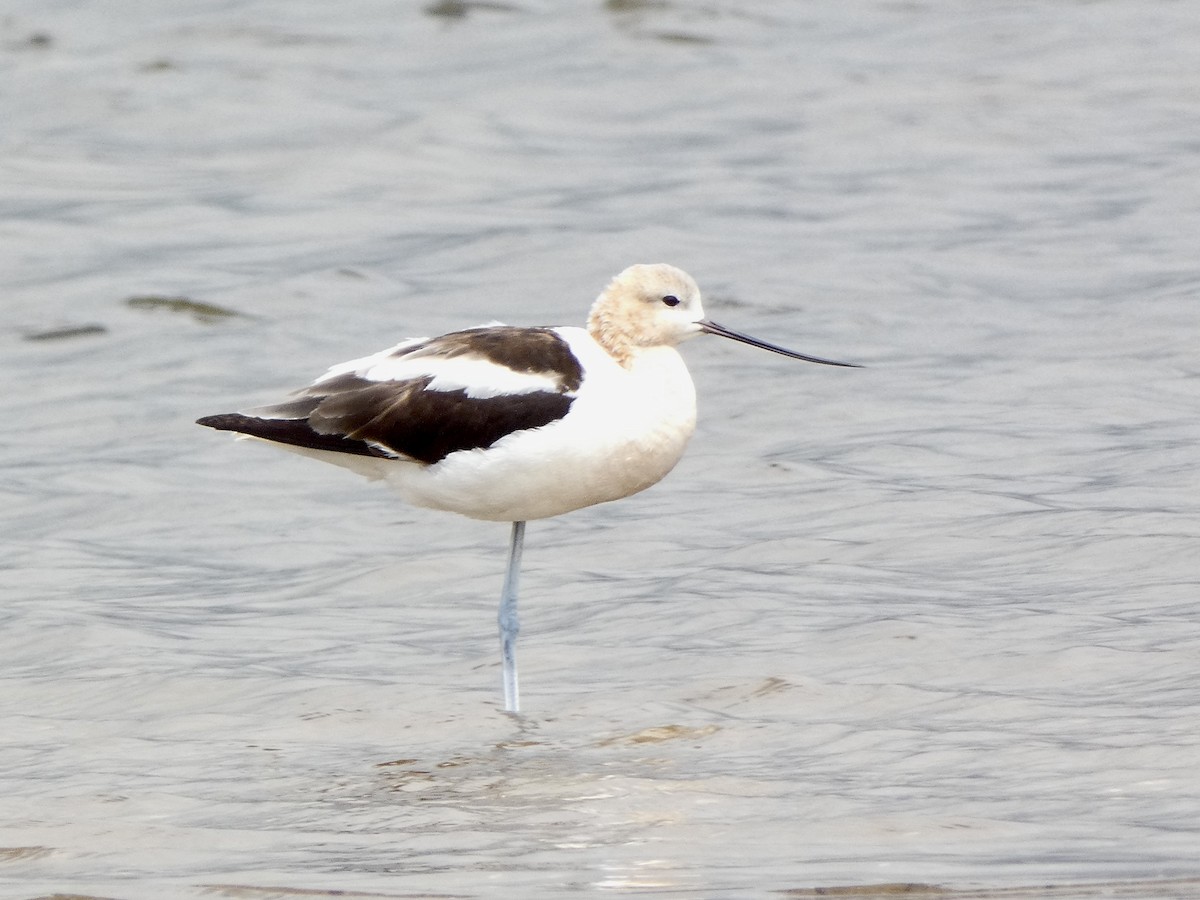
<point>933,621</point>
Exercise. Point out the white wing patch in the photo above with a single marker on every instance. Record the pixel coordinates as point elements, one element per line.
<point>365,363</point>
<point>480,378</point>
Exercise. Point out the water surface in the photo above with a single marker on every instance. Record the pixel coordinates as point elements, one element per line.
<point>930,622</point>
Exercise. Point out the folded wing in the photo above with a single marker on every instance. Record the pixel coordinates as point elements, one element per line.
<point>423,400</point>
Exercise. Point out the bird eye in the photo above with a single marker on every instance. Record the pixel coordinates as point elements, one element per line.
<point>671,300</point>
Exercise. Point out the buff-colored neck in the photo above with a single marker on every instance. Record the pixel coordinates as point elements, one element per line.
<point>613,333</point>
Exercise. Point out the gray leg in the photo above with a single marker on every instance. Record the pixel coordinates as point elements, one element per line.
<point>510,625</point>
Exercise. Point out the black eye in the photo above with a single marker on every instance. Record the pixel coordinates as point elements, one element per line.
<point>671,300</point>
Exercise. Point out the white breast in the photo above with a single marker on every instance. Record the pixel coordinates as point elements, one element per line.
<point>626,430</point>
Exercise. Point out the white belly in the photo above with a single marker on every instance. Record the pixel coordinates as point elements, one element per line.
<point>625,431</point>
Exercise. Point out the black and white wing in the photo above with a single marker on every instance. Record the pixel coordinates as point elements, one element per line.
<point>427,398</point>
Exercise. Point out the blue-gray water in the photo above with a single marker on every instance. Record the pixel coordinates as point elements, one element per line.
<point>933,621</point>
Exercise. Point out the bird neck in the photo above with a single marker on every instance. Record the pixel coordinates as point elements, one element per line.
<point>614,335</point>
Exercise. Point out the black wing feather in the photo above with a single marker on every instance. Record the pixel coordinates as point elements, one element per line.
<point>288,431</point>
<point>390,419</point>
<point>346,413</point>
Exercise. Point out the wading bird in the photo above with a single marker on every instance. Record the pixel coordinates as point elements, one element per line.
<point>511,424</point>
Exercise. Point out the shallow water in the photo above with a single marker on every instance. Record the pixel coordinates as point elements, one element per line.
<point>932,622</point>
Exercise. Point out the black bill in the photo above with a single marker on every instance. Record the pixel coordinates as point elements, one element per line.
<point>711,327</point>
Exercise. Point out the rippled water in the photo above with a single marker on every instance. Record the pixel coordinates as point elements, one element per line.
<point>931,622</point>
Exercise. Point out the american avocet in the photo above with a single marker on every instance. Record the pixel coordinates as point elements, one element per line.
<point>511,424</point>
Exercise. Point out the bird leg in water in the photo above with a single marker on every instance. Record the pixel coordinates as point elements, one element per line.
<point>510,624</point>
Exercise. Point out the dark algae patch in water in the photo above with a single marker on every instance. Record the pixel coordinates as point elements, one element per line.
<point>199,310</point>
